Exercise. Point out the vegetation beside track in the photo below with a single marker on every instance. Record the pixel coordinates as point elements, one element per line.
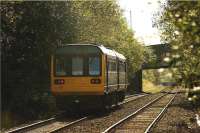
<point>30,33</point>
<point>180,27</point>
<point>154,79</point>
<point>150,87</point>
<point>179,117</point>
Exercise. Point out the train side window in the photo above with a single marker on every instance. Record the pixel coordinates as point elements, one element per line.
<point>94,66</point>
<point>77,66</point>
<point>121,67</point>
<point>109,66</point>
<point>112,66</point>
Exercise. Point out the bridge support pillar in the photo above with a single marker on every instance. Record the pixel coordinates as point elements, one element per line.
<point>136,83</point>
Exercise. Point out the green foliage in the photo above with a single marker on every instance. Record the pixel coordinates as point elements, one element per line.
<point>150,75</point>
<point>158,76</point>
<point>150,87</point>
<point>32,30</point>
<point>180,27</point>
<point>102,22</point>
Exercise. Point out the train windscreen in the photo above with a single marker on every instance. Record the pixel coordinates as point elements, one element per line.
<point>94,66</point>
<point>77,65</point>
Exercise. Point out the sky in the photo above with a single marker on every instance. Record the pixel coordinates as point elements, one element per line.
<point>142,15</point>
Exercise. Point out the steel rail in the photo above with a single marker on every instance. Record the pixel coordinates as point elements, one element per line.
<point>42,123</point>
<point>138,94</point>
<point>31,126</point>
<point>132,98</point>
<point>69,124</point>
<point>132,114</point>
<point>160,115</point>
<point>50,120</point>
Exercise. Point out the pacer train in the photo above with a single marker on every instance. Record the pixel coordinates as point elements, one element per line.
<point>88,74</point>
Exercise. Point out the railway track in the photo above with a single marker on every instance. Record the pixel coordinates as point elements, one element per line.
<point>56,124</point>
<point>143,119</point>
<point>132,98</point>
<point>48,126</point>
<point>101,121</point>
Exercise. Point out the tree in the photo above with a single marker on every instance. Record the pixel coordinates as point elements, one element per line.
<point>180,27</point>
<point>30,33</point>
<point>32,30</point>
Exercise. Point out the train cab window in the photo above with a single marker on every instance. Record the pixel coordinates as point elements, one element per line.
<point>60,69</point>
<point>62,66</point>
<point>94,66</point>
<point>77,66</point>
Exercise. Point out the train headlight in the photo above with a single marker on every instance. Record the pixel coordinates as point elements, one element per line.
<point>59,81</point>
<point>95,81</point>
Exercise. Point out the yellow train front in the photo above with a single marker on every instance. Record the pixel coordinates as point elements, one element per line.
<point>87,75</point>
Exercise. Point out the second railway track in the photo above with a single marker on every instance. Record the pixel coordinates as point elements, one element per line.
<point>101,121</point>
<point>142,120</point>
<point>56,124</point>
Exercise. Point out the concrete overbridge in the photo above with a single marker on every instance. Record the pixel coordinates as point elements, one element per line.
<point>161,60</point>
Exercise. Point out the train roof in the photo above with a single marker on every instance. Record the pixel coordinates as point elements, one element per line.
<point>103,49</point>
<point>110,52</point>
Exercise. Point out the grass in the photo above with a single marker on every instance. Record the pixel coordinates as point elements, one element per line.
<point>150,87</point>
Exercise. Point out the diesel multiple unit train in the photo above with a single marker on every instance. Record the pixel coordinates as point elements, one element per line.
<point>88,74</point>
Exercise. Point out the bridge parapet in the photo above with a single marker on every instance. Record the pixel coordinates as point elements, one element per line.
<point>162,57</point>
